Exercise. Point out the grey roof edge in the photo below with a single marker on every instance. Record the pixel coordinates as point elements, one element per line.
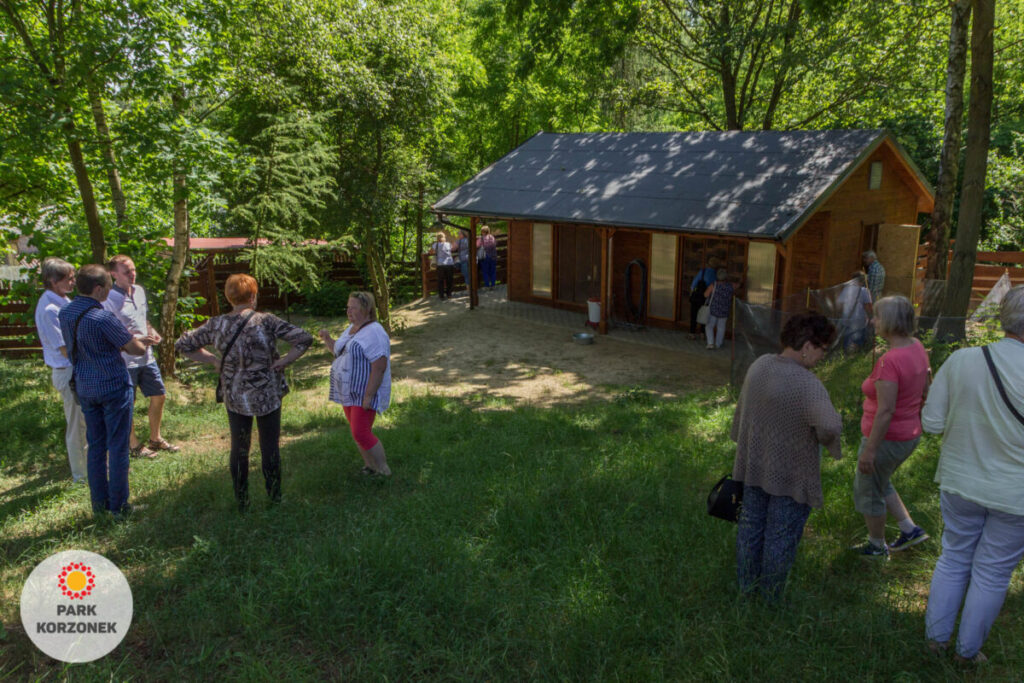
<point>605,224</point>
<point>884,135</point>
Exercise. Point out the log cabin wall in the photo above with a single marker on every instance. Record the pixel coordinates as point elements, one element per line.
<point>519,260</point>
<point>854,207</point>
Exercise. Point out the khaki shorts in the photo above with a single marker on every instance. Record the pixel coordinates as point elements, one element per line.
<point>870,490</point>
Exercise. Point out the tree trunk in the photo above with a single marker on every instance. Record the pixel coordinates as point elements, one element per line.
<point>949,162</point>
<point>107,147</point>
<point>792,27</point>
<point>169,310</point>
<point>972,196</point>
<point>85,191</point>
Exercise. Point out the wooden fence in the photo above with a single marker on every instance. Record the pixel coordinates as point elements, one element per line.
<point>18,337</point>
<point>989,266</point>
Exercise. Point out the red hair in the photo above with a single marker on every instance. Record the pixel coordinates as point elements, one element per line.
<point>240,288</point>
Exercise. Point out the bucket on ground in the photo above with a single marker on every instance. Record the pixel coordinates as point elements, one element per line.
<point>593,311</point>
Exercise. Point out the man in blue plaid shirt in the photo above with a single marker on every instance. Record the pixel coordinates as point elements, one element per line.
<point>94,339</point>
<point>876,275</point>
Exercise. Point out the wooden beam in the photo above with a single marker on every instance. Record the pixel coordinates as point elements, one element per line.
<point>474,267</point>
<point>606,235</point>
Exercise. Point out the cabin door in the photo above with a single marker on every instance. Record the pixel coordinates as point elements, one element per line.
<point>896,248</point>
<point>579,264</point>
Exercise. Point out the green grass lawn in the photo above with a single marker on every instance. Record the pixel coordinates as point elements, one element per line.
<point>512,543</point>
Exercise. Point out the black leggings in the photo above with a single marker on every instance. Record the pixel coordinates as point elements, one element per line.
<point>269,427</point>
<point>445,281</point>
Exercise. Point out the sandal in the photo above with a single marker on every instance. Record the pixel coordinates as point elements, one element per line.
<point>163,445</point>
<point>367,471</point>
<point>141,451</point>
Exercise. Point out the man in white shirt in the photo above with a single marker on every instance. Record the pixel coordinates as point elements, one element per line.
<point>855,310</point>
<point>59,280</point>
<point>128,301</point>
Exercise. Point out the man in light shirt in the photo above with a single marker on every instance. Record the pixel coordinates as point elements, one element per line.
<point>59,280</point>
<point>128,302</point>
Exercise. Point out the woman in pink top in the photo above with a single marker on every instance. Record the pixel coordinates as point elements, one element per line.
<point>891,425</point>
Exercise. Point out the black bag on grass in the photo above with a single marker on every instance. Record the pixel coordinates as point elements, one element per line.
<point>726,499</point>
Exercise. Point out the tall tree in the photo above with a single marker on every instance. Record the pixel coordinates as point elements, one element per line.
<point>949,162</point>
<point>972,196</point>
<point>48,38</point>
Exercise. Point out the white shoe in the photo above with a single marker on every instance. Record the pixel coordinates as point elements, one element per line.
<point>711,346</point>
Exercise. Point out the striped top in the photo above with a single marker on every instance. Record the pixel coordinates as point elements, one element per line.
<point>350,372</point>
<point>96,354</point>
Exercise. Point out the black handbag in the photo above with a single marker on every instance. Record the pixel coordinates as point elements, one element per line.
<point>219,393</point>
<point>726,499</point>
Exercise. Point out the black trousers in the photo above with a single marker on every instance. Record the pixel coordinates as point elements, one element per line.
<point>269,426</point>
<point>445,281</point>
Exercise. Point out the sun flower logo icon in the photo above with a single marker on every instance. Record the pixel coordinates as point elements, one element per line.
<point>76,580</point>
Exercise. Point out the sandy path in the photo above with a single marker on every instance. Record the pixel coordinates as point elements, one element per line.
<point>448,349</point>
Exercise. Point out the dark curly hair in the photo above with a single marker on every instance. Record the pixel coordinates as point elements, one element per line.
<point>807,327</point>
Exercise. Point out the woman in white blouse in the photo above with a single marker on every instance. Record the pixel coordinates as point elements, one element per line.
<point>981,478</point>
<point>361,377</point>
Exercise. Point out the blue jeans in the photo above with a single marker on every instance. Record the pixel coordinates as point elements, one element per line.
<point>108,424</point>
<point>769,530</point>
<point>980,549</point>
<point>464,269</point>
<point>488,271</point>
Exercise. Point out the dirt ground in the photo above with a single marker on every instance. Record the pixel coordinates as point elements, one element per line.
<point>445,348</point>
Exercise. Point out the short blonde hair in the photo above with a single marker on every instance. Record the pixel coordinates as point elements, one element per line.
<point>240,288</point>
<point>485,230</point>
<point>894,315</point>
<point>366,302</point>
<point>441,236</point>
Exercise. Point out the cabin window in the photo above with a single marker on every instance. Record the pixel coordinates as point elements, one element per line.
<point>875,179</point>
<point>542,260</point>
<point>663,276</point>
<point>760,272</point>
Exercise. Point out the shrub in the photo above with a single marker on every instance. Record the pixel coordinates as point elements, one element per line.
<point>330,299</point>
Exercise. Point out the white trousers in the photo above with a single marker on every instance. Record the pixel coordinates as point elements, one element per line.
<point>74,437</point>
<point>715,330</point>
<point>980,549</point>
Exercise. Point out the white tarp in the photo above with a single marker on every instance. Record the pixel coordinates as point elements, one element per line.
<point>989,307</point>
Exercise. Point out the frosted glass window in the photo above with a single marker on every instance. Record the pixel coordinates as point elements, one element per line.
<point>875,178</point>
<point>760,272</point>
<point>542,260</point>
<point>663,276</point>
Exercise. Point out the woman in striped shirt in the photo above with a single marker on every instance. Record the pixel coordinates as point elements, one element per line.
<point>361,377</point>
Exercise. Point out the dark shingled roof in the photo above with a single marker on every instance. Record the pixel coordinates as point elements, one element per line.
<point>756,184</point>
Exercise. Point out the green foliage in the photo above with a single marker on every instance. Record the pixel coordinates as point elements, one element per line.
<point>327,299</point>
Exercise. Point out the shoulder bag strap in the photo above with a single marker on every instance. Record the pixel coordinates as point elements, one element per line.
<point>238,331</point>
<point>74,337</point>
<point>999,384</point>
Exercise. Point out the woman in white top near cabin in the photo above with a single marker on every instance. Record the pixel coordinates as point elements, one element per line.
<point>981,479</point>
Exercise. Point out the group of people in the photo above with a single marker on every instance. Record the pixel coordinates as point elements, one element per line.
<point>99,348</point>
<point>711,295</point>
<point>451,255</point>
<point>785,421</point>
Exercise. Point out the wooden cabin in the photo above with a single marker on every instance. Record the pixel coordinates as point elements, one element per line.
<point>784,211</point>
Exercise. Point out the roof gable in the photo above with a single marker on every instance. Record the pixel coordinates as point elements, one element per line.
<point>757,184</point>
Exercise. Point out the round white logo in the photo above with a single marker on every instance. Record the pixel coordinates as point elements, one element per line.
<point>76,606</point>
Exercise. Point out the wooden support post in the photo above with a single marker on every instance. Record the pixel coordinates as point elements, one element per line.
<point>211,286</point>
<point>474,267</point>
<point>424,271</point>
<point>602,326</point>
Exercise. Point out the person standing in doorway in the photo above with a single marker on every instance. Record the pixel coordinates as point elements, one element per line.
<point>59,280</point>
<point>128,302</point>
<point>719,298</point>
<point>875,274</point>
<point>704,278</point>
